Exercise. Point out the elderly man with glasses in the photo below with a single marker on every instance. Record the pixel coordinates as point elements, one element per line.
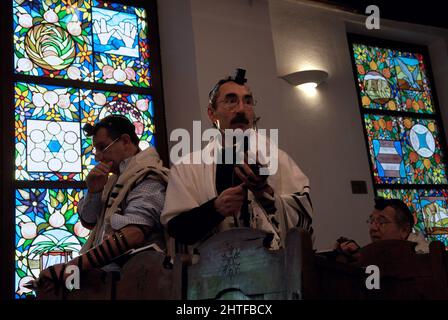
<point>390,219</point>
<point>125,196</point>
<point>209,197</point>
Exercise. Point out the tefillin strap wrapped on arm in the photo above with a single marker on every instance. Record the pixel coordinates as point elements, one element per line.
<point>103,254</point>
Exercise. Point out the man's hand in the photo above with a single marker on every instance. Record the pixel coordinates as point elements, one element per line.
<point>348,247</point>
<point>100,28</point>
<point>229,202</point>
<point>127,33</point>
<point>254,182</point>
<point>97,177</point>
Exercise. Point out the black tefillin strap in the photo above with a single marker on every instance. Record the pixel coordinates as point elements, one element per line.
<point>80,263</point>
<point>58,279</point>
<point>53,274</point>
<point>99,256</point>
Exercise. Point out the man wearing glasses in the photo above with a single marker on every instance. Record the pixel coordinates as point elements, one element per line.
<point>206,198</point>
<point>125,195</point>
<point>390,219</point>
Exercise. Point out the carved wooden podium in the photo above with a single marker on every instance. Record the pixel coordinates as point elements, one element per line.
<point>235,264</point>
<point>146,277</point>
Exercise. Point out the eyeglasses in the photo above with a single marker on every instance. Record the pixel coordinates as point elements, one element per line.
<point>231,100</point>
<point>378,221</point>
<point>95,151</point>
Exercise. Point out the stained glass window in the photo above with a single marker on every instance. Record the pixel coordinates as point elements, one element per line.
<point>75,62</point>
<point>429,207</point>
<point>392,79</point>
<point>50,144</point>
<point>48,231</point>
<point>405,150</point>
<point>90,40</point>
<point>404,133</point>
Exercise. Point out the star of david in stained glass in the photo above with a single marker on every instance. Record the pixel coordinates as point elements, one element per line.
<point>49,139</point>
<point>79,41</point>
<point>53,146</point>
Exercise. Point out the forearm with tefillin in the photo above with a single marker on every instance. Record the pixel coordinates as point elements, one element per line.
<point>112,247</point>
<point>103,254</point>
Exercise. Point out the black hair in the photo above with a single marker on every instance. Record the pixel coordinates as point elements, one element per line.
<point>403,215</point>
<point>116,125</point>
<point>239,78</point>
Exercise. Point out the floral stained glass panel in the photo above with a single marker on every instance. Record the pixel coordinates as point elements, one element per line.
<point>405,150</point>
<point>429,207</point>
<point>53,39</point>
<point>138,108</point>
<point>48,231</point>
<point>392,80</point>
<point>88,40</point>
<point>50,144</point>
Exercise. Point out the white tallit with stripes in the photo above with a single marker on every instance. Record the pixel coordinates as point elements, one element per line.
<point>191,185</point>
<point>143,164</point>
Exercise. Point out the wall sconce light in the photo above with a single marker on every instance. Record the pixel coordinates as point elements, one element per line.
<point>306,80</point>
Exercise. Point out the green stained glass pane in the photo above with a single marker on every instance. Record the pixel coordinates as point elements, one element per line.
<point>50,144</point>
<point>53,39</point>
<point>48,231</point>
<point>429,207</point>
<point>392,80</point>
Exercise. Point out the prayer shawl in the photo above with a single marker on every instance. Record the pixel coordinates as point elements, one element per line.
<point>191,185</point>
<point>144,164</point>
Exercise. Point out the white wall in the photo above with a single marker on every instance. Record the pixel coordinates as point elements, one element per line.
<point>204,40</point>
<point>178,58</point>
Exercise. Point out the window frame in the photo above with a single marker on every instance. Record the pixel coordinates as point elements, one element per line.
<point>8,184</point>
<point>436,116</point>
